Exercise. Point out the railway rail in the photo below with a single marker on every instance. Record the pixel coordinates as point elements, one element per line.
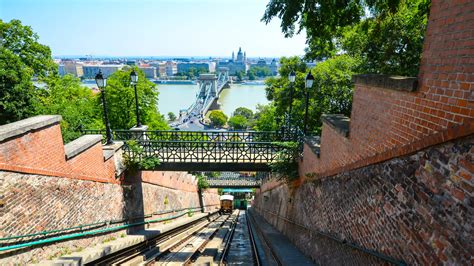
<point>213,240</point>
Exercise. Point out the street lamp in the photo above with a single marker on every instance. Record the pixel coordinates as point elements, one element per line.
<point>134,79</point>
<point>102,83</point>
<point>308,84</point>
<point>291,77</point>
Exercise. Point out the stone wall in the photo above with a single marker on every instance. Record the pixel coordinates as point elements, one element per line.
<point>33,203</point>
<point>417,208</point>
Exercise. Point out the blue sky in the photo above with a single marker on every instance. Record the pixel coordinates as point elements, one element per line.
<point>153,27</point>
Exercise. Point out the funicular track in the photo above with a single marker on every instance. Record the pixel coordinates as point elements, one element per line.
<point>154,246</point>
<point>226,239</point>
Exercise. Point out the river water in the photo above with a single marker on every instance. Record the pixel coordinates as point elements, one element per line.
<point>173,97</point>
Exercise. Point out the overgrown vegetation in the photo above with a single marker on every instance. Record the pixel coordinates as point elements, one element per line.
<point>286,163</point>
<point>137,160</point>
<point>202,182</point>
<point>190,213</point>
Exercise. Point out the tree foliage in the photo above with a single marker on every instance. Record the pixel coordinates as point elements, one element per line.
<point>243,111</point>
<point>77,105</point>
<point>238,122</point>
<point>120,98</point>
<point>260,72</point>
<point>218,118</point>
<point>193,73</point>
<point>386,34</point>
<point>392,44</point>
<point>171,116</point>
<point>265,118</point>
<point>331,91</point>
<point>21,59</point>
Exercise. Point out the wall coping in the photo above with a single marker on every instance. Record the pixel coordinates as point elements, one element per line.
<point>398,83</point>
<point>314,143</point>
<point>23,126</point>
<point>338,122</point>
<point>81,144</point>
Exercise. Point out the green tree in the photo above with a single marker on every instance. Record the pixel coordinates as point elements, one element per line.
<point>171,116</point>
<point>251,75</point>
<point>391,44</point>
<point>240,75</point>
<point>238,122</point>
<point>331,92</point>
<point>265,118</point>
<point>243,111</point>
<point>387,34</point>
<point>21,59</point>
<point>278,89</point>
<point>120,98</point>
<point>260,72</point>
<point>218,118</point>
<point>76,104</point>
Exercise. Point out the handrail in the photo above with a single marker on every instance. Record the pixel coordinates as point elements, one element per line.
<point>44,233</point>
<point>94,232</point>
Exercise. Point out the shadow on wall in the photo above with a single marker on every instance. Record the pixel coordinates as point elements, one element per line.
<point>133,209</point>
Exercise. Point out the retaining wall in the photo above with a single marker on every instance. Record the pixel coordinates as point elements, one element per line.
<point>417,208</point>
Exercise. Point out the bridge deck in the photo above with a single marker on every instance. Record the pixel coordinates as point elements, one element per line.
<point>205,150</point>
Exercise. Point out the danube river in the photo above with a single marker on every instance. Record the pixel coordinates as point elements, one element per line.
<point>172,98</point>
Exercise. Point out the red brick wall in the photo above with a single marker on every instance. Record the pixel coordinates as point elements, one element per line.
<point>386,123</point>
<point>416,208</point>
<point>176,180</point>
<point>42,152</point>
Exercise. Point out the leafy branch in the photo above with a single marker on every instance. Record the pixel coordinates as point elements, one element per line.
<point>136,160</point>
<point>202,182</point>
<point>285,164</point>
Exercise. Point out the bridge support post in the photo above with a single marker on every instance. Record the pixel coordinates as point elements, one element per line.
<point>139,132</point>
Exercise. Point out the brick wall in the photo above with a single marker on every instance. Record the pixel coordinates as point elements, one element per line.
<point>388,119</point>
<point>417,208</point>
<point>33,203</point>
<point>41,151</point>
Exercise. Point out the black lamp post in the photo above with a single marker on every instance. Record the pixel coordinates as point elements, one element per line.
<point>134,79</point>
<point>308,84</point>
<point>291,78</point>
<point>101,83</point>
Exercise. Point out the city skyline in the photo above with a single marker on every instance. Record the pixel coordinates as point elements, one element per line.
<point>123,28</point>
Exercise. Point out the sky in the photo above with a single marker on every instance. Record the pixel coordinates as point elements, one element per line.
<point>153,27</point>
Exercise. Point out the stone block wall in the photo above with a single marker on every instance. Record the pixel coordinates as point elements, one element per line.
<point>417,208</point>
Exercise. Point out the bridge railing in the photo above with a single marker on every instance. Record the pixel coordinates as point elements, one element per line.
<point>208,135</point>
<point>205,151</point>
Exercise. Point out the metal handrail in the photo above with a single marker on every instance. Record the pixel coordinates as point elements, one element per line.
<point>102,223</point>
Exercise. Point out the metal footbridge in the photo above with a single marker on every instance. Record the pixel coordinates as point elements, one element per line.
<point>206,150</point>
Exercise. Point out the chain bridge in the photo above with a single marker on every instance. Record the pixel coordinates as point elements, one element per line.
<point>206,150</point>
<point>210,86</point>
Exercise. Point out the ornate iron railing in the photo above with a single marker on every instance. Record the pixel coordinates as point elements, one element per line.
<point>216,147</point>
<point>205,151</point>
<point>208,135</point>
